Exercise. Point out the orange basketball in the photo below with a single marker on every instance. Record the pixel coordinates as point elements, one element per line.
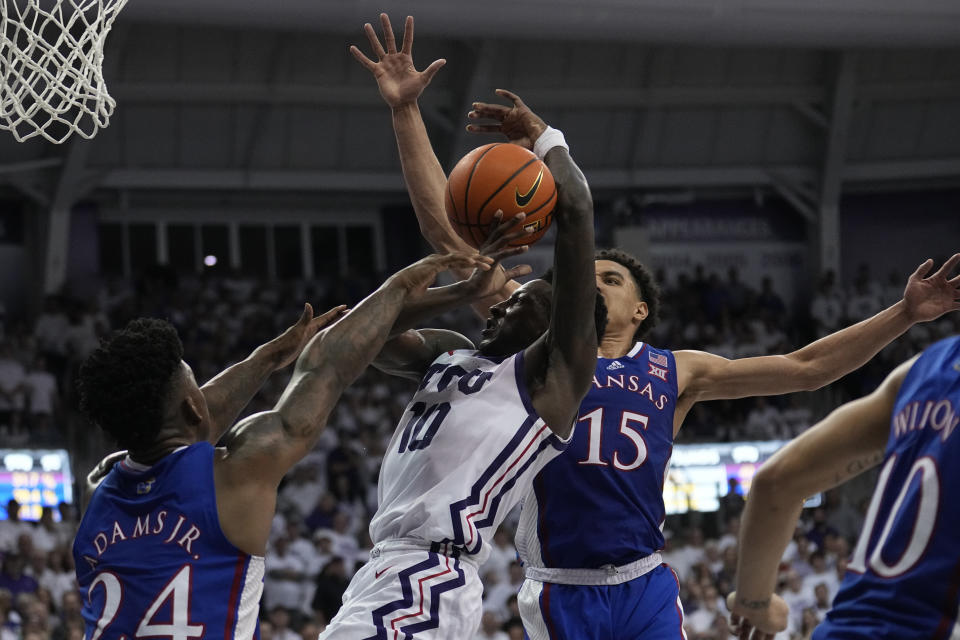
<point>505,177</point>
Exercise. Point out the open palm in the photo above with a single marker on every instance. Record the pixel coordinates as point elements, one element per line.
<point>929,297</point>
<point>398,80</point>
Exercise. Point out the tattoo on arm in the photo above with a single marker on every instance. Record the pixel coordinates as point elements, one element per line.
<point>858,466</point>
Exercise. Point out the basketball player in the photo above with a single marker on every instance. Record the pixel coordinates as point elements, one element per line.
<point>172,542</point>
<point>901,581</point>
<point>590,528</point>
<point>481,424</point>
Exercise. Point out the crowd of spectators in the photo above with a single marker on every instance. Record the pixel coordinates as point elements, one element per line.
<point>319,537</point>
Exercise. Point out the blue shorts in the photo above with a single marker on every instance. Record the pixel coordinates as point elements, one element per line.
<point>646,607</point>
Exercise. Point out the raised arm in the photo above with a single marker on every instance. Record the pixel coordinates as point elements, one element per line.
<point>846,443</point>
<point>408,354</point>
<point>400,86</point>
<point>703,376</point>
<point>231,390</point>
<point>264,446</point>
<point>560,365</point>
<point>565,361</point>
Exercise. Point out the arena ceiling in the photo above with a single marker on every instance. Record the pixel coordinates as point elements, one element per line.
<point>245,99</point>
<point>829,23</point>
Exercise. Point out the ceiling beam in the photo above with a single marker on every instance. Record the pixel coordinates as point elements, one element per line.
<point>832,174</point>
<point>480,75</point>
<point>58,226</point>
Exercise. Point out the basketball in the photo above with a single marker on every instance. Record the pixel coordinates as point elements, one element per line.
<point>500,176</point>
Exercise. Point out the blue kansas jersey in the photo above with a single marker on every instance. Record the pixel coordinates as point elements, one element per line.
<point>152,561</point>
<point>904,575</point>
<point>601,501</point>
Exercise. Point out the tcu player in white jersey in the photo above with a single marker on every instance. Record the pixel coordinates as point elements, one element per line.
<point>481,425</point>
<point>592,521</point>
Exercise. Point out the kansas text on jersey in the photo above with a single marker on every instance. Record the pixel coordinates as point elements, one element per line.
<point>601,502</point>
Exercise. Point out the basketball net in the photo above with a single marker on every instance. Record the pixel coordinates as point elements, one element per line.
<point>51,67</point>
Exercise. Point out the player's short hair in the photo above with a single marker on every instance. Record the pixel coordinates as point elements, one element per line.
<point>125,382</point>
<point>646,287</point>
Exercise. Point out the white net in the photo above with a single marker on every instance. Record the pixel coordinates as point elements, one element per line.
<point>51,57</point>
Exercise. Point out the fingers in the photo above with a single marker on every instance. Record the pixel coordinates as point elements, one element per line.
<point>307,314</point>
<point>431,71</point>
<point>333,314</point>
<point>367,63</point>
<point>407,46</point>
<point>497,228</point>
<point>458,259</point>
<point>487,110</point>
<point>375,45</point>
<point>499,236</point>
<point>923,269</point>
<point>387,29</point>
<point>485,128</point>
<point>948,266</point>
<point>509,95</point>
<point>509,252</point>
<point>518,271</point>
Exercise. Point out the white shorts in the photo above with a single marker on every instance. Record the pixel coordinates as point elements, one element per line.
<point>408,591</point>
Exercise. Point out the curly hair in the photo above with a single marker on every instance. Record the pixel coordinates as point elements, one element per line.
<point>125,382</point>
<point>647,288</point>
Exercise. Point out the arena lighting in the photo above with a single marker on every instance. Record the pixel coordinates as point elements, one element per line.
<point>36,478</point>
<point>699,474</point>
<point>210,261</point>
<point>745,453</point>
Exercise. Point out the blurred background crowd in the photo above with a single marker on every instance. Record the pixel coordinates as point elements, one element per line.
<point>320,537</point>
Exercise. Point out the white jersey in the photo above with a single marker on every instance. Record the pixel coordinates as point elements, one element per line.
<point>465,452</point>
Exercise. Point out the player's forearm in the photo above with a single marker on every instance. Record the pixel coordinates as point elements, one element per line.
<point>837,354</point>
<point>331,361</point>
<point>435,301</point>
<point>574,292</point>
<point>425,179</point>
<point>233,388</point>
<point>346,348</point>
<point>769,520</point>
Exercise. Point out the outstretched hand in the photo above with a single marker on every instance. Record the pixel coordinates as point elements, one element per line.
<point>521,125</point>
<point>398,80</point>
<point>929,297</point>
<point>97,474</point>
<point>421,274</point>
<point>486,282</point>
<point>757,623</point>
<point>287,346</point>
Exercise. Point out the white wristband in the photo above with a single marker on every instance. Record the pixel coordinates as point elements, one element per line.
<point>549,139</point>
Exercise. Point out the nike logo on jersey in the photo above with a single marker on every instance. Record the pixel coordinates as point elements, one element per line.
<point>380,573</point>
<point>524,199</point>
<point>616,364</point>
